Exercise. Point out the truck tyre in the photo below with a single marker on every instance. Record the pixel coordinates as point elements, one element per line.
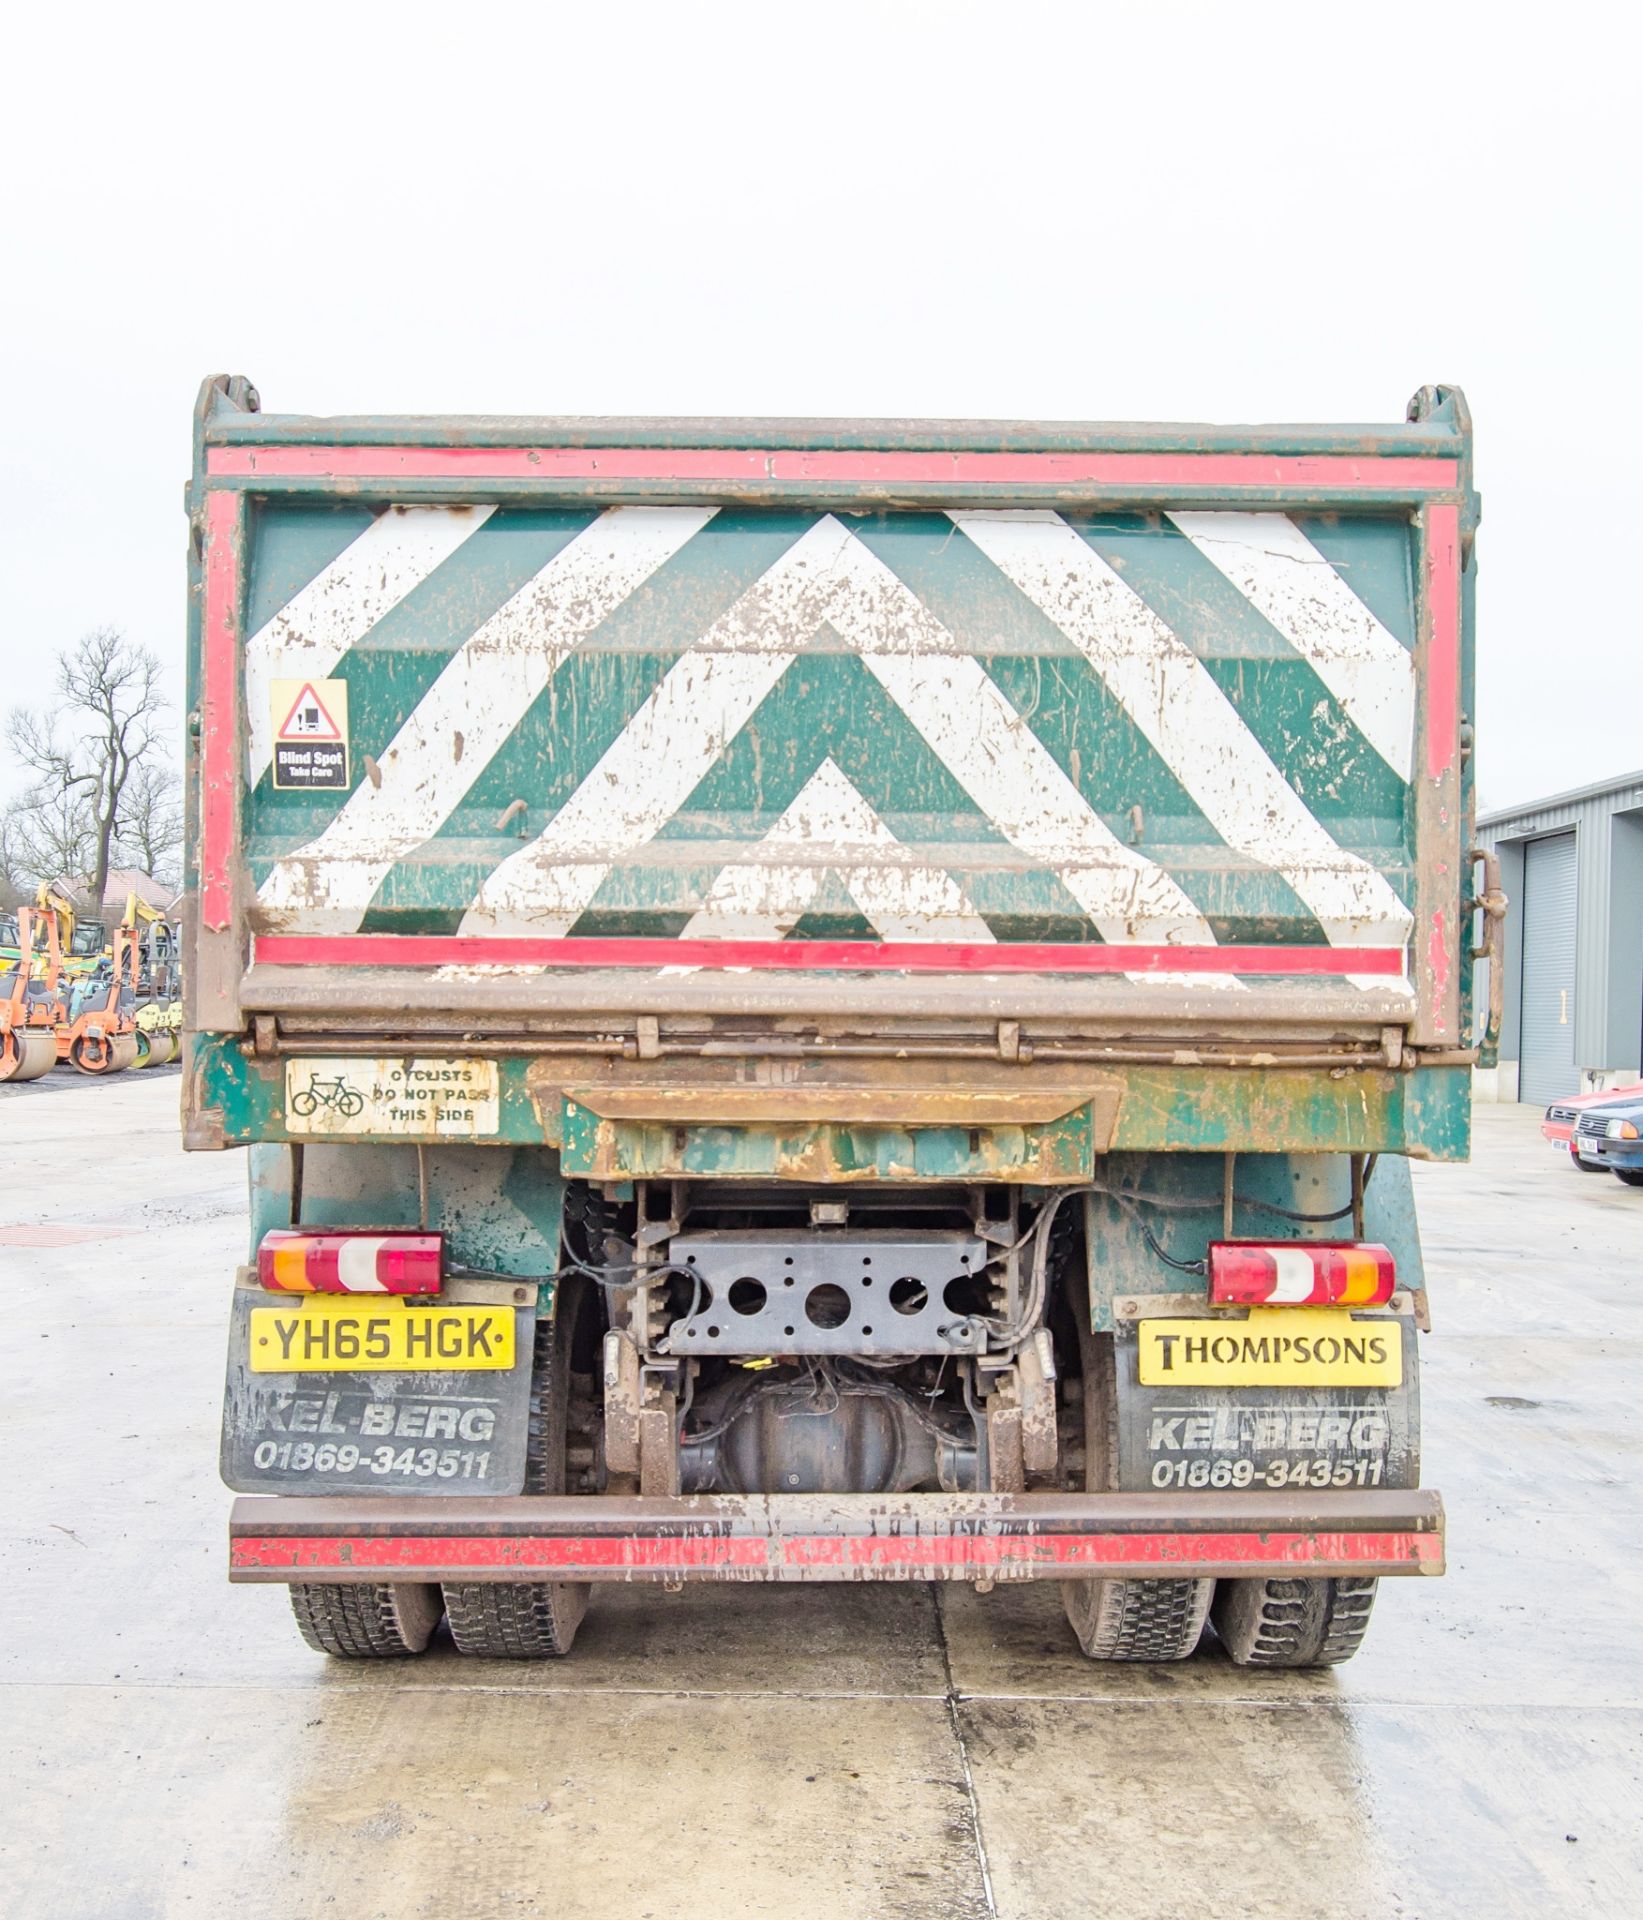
<point>1121,1619</point>
<point>366,1623</point>
<point>1293,1623</point>
<point>533,1620</point>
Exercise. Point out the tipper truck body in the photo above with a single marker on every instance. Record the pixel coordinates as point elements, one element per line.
<point>830,1001</point>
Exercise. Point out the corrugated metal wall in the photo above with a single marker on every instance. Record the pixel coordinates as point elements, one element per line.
<point>1547,1067</point>
<point>1607,825</point>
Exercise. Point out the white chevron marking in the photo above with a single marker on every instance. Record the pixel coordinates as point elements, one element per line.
<point>830,827</point>
<point>641,781</point>
<point>1173,700</point>
<point>471,710</point>
<point>828,577</point>
<point>341,604</point>
<point>648,772</point>
<point>1273,564</point>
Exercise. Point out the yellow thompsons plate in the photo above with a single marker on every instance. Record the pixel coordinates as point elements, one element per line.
<point>1274,1347</point>
<point>324,1337</point>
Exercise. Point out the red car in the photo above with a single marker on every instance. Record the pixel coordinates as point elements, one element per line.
<point>1558,1126</point>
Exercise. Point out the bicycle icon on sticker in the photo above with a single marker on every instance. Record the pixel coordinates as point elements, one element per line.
<point>335,1093</point>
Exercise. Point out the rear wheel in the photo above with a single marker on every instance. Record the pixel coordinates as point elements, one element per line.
<point>1293,1623</point>
<point>366,1623</point>
<point>1122,1619</point>
<point>536,1620</point>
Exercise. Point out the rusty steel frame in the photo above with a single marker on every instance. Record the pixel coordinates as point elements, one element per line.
<point>851,1537</point>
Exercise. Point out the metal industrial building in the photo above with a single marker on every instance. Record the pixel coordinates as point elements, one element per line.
<point>1572,866</point>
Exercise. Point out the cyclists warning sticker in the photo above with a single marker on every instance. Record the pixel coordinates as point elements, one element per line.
<point>311,734</point>
<point>426,1099</point>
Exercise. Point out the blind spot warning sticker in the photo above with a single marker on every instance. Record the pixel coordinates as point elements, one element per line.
<point>311,734</point>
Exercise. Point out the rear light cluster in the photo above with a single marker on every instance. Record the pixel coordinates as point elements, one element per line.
<point>290,1261</point>
<point>1302,1273</point>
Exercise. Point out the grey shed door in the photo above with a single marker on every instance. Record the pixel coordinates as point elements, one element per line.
<point>1547,1069</point>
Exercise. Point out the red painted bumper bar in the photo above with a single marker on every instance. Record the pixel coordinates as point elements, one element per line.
<point>790,1537</point>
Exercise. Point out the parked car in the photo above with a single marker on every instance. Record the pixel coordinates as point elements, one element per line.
<point>1612,1136</point>
<point>1558,1126</point>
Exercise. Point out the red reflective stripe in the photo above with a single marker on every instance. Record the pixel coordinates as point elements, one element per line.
<point>1327,472</point>
<point>442,950</point>
<point>500,1551</point>
<point>1443,655</point>
<point>219,776</point>
<point>405,1552</point>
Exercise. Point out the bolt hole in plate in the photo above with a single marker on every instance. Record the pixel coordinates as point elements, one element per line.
<point>936,1281</point>
<point>827,1306</point>
<point>747,1295</point>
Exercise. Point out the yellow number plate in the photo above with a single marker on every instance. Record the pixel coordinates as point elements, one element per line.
<point>325,1338</point>
<point>1274,1347</point>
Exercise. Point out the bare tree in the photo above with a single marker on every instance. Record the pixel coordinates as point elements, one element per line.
<point>14,864</point>
<point>109,702</point>
<point>48,834</point>
<point>149,832</point>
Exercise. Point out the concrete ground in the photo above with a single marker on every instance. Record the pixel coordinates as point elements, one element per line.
<point>170,1747</point>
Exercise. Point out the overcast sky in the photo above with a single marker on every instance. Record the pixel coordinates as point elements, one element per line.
<point>1231,212</point>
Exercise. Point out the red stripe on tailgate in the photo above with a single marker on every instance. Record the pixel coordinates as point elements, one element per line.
<point>1443,657</point>
<point>443,950</point>
<point>1325,472</point>
<point>218,772</point>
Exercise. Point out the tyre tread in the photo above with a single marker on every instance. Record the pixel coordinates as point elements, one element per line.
<point>1152,1620</point>
<point>531,1620</point>
<point>1294,1623</point>
<point>351,1622</point>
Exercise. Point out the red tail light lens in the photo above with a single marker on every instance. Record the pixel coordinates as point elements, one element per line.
<point>1301,1273</point>
<point>290,1261</point>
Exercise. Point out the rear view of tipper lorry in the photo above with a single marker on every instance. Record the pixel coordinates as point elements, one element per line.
<point>839,1000</point>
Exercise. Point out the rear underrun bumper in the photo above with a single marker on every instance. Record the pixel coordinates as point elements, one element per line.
<point>797,1537</point>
